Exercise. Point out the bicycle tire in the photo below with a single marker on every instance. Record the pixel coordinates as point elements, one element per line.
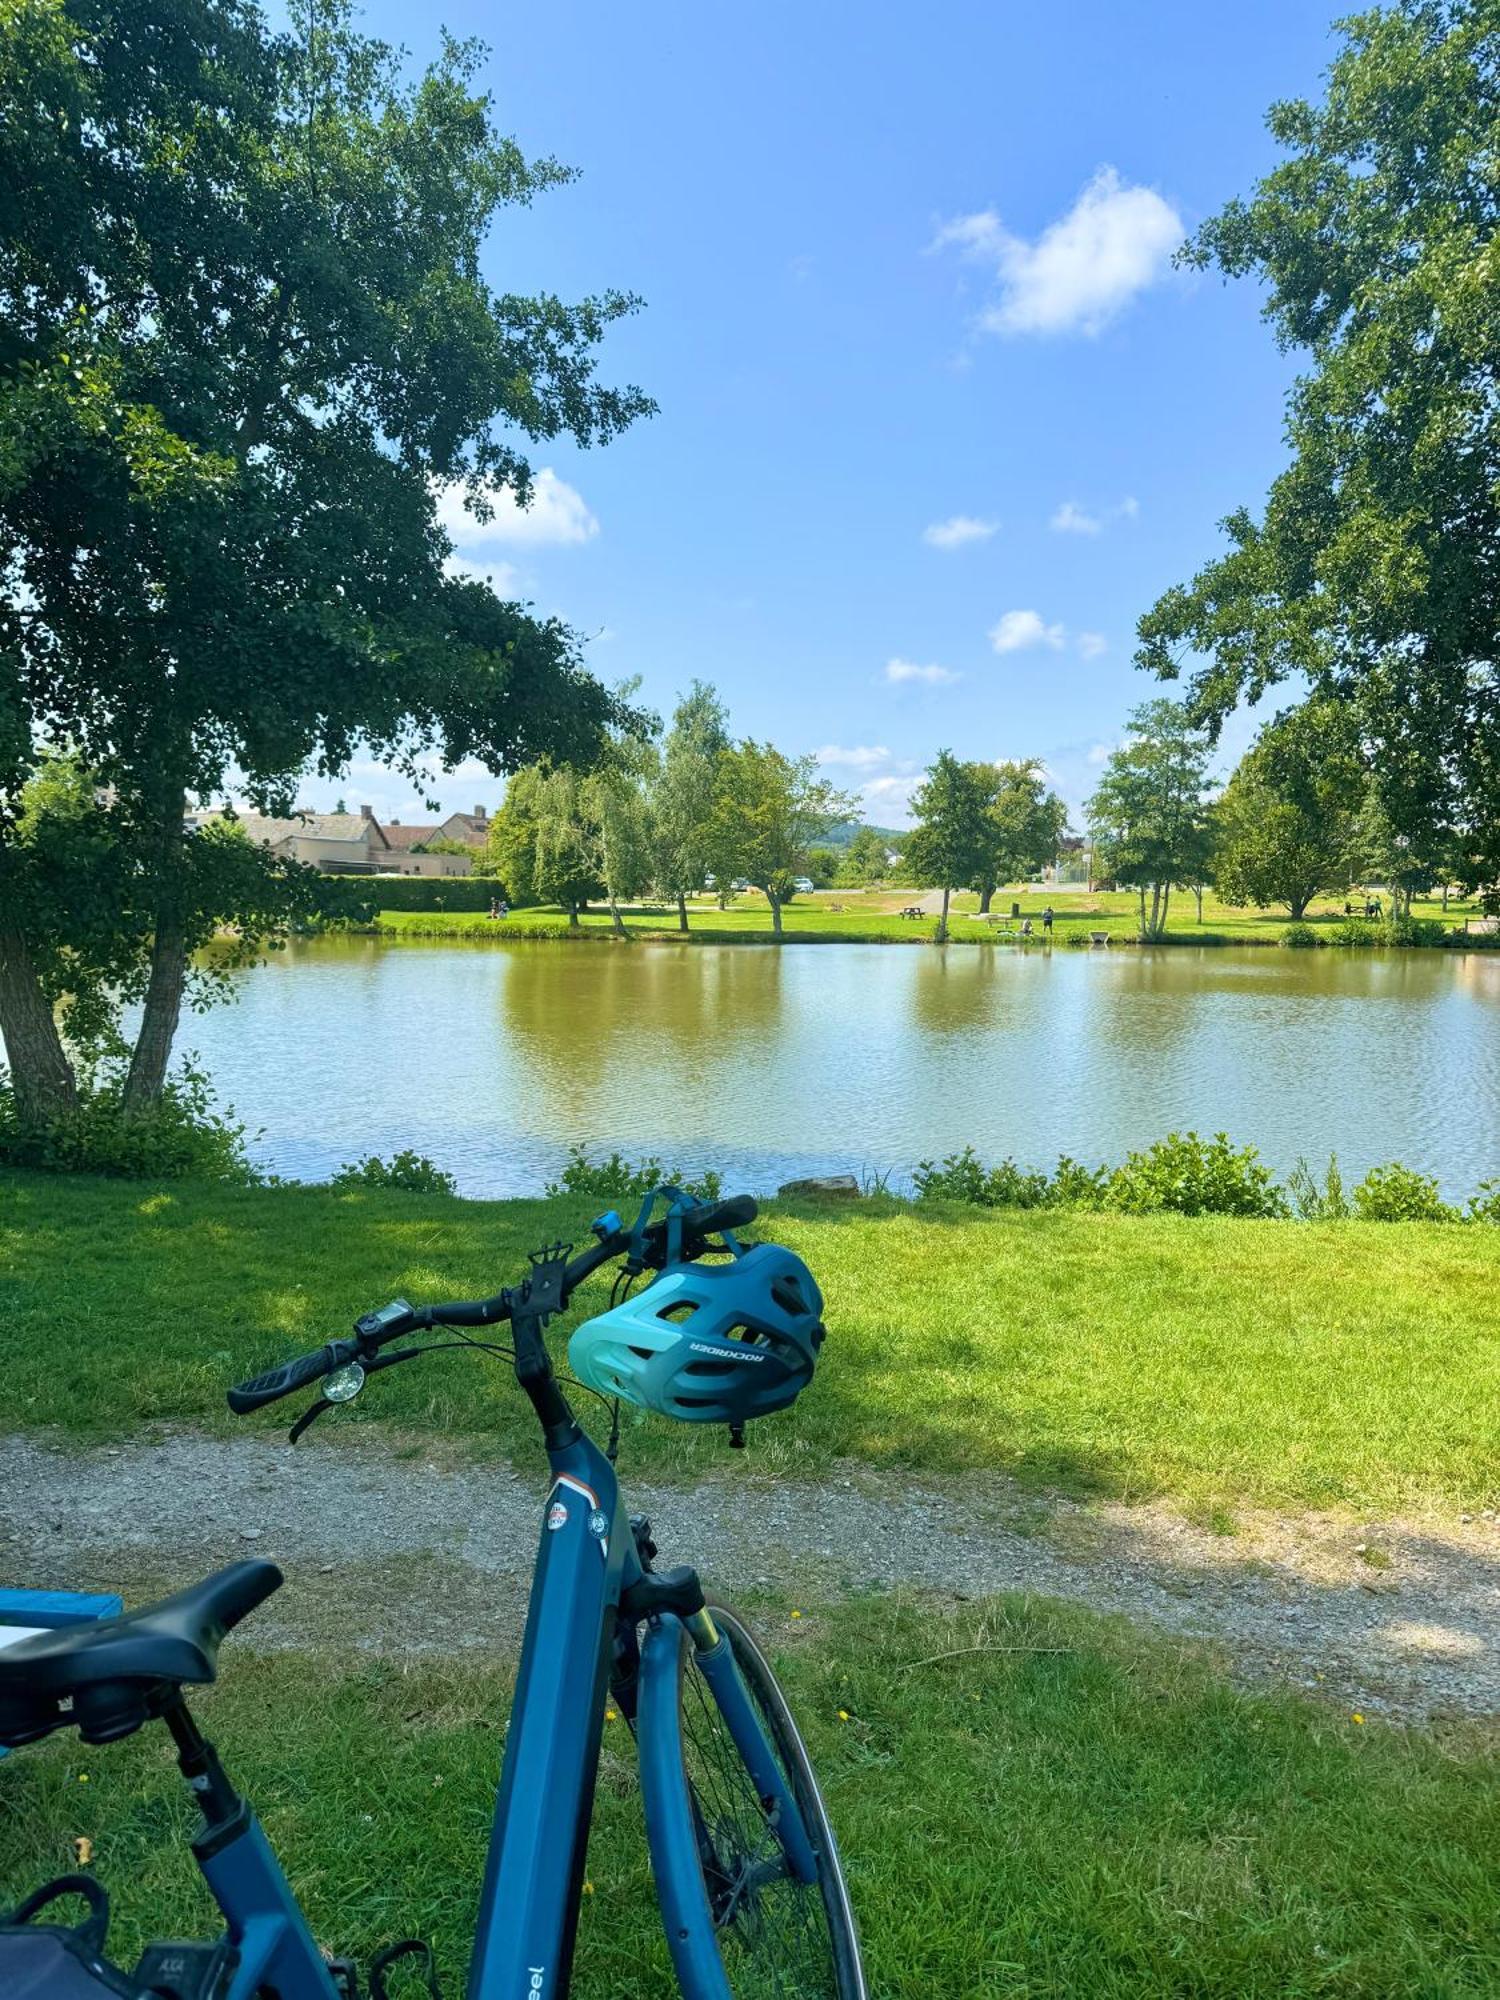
<point>776,1938</point>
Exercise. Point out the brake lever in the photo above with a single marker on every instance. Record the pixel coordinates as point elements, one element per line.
<point>308,1418</point>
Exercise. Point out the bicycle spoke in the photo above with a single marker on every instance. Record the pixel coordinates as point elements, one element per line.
<point>773,1929</point>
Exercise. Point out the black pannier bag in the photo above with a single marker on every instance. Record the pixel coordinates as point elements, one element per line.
<point>56,1961</point>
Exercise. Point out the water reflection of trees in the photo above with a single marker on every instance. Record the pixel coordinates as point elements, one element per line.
<point>602,1027</point>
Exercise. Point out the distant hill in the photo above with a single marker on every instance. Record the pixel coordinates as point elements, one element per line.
<point>841,836</point>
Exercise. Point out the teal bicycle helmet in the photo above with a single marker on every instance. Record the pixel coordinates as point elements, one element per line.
<point>709,1343</point>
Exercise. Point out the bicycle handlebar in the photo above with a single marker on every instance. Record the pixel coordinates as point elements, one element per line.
<point>376,1329</point>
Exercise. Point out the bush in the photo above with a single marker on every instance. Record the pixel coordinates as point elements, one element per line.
<point>1484,1204</point>
<point>181,1137</point>
<point>405,1173</point>
<point>1191,1176</point>
<point>964,1177</point>
<point>1313,1203</point>
<point>1075,1186</point>
<point>361,895</point>
<point>1300,937</point>
<point>1355,932</point>
<point>1394,1193</point>
<point>618,1179</point>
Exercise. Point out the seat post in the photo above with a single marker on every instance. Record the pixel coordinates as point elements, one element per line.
<point>199,1763</point>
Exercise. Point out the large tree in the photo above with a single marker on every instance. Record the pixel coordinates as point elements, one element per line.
<point>245,350</point>
<point>1289,822</point>
<point>540,842</point>
<point>683,793</point>
<point>953,839</point>
<point>1149,816</point>
<point>1374,568</point>
<point>1026,822</point>
<point>768,810</point>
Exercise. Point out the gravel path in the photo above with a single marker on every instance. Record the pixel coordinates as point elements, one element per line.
<point>388,1551</point>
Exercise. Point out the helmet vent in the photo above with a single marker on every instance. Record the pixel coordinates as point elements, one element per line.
<point>788,1294</point>
<point>679,1310</point>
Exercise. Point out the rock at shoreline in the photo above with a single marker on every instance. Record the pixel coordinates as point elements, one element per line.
<point>828,1187</point>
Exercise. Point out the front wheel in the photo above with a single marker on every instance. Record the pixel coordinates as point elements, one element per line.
<point>754,1906</point>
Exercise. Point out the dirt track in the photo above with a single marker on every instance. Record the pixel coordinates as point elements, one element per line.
<point>386,1550</point>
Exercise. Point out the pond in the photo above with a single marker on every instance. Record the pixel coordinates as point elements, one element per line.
<point>493,1058</point>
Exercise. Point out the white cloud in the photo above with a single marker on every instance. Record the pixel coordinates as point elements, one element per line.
<point>897,671</point>
<point>1083,269</point>
<point>958,531</point>
<point>861,757</point>
<point>1101,753</point>
<point>1017,631</point>
<point>502,577</point>
<point>1070,519</point>
<point>1092,644</point>
<point>556,515</point>
<point>890,795</point>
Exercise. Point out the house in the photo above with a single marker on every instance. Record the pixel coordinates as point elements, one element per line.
<point>336,843</point>
<point>409,843</point>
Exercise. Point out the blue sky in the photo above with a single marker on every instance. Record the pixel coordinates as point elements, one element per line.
<point>902,268</point>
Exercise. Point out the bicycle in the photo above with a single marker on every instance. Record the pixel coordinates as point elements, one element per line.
<point>747,1870</point>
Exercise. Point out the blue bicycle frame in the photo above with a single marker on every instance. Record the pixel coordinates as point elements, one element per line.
<point>528,1912</point>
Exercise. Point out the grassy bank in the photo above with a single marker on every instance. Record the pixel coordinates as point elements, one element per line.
<point>1070,1810</point>
<point>874,917</point>
<point>1210,1361</point>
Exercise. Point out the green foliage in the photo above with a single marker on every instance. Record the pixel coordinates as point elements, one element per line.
<point>962,1177</point>
<point>1288,824</point>
<point>1148,818</point>
<point>866,857</point>
<point>1314,1201</point>
<point>1371,569</point>
<point>1484,1203</point>
<point>768,810</point>
<point>1300,937</point>
<point>953,840</point>
<point>1025,823</point>
<point>1186,1175</point>
<point>179,1137</point>
<point>1394,1193</point>
<point>682,795</point>
<point>356,898</point>
<point>614,1178</point>
<point>405,1172</point>
<point>248,365</point>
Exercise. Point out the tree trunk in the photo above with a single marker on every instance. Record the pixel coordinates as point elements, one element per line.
<point>572,916</point>
<point>775,902</point>
<point>41,1075</point>
<point>1445,899</point>
<point>682,922</point>
<point>1198,895</point>
<point>1298,906</point>
<point>615,918</point>
<point>1166,904</point>
<point>986,892</point>
<point>159,1018</point>
<point>1142,893</point>
<point>942,929</point>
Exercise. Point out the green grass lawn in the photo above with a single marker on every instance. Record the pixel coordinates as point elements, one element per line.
<point>1213,1362</point>
<point>1076,1812</point>
<point>874,916</point>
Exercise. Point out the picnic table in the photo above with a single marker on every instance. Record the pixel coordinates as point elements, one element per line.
<point>913,910</point>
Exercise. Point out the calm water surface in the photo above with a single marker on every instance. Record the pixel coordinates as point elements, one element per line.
<point>494,1058</point>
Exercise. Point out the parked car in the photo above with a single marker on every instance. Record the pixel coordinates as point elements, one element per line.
<point>803,884</point>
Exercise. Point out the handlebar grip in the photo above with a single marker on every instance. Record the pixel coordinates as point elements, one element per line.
<point>736,1212</point>
<point>289,1377</point>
